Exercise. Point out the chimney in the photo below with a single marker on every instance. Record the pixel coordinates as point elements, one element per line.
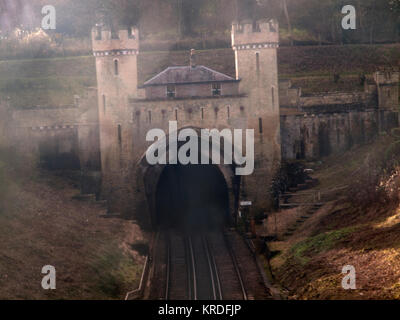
<point>193,58</point>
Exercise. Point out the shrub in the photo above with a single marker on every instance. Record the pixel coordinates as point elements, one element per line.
<point>377,180</point>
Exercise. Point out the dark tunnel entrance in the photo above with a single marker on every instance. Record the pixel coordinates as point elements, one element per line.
<point>192,197</point>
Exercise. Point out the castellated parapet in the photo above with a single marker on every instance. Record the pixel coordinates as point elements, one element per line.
<point>105,43</point>
<point>387,76</point>
<point>255,35</point>
<point>387,81</point>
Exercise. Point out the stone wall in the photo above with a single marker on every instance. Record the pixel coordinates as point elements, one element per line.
<point>330,123</point>
<point>128,182</point>
<point>125,154</point>
<point>319,135</point>
<point>59,138</point>
<point>292,97</point>
<point>337,98</point>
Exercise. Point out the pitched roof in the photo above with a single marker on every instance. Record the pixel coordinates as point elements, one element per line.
<point>186,75</point>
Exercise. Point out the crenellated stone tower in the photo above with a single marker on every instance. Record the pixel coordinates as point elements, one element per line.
<point>195,97</point>
<point>255,45</point>
<point>117,82</point>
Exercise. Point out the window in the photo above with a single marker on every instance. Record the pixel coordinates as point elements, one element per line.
<point>98,33</point>
<point>171,91</point>
<point>137,116</point>
<point>228,110</point>
<point>149,116</point>
<point>116,67</point>
<point>273,97</point>
<point>176,115</point>
<point>258,63</point>
<point>256,27</point>
<point>104,104</point>
<point>119,134</point>
<point>216,89</point>
<point>202,113</point>
<point>131,34</point>
<point>260,125</point>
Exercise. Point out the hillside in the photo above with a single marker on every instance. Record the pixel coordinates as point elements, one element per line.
<point>343,232</point>
<point>40,224</point>
<point>54,81</point>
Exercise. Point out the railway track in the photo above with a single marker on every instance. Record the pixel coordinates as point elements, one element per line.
<point>230,277</point>
<point>199,266</point>
<point>180,276</point>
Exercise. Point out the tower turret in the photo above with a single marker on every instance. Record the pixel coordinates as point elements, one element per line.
<point>116,66</point>
<point>117,81</point>
<point>255,45</point>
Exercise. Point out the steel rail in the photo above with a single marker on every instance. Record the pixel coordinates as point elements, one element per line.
<point>191,271</point>
<point>236,266</point>
<point>215,282</point>
<point>168,271</point>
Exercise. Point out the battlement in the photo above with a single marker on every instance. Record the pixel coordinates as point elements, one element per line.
<point>263,33</point>
<point>387,76</point>
<point>124,42</point>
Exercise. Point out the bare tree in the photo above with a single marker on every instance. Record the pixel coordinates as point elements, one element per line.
<point>289,23</point>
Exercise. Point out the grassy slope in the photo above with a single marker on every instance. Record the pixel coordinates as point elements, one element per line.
<point>41,225</point>
<point>55,81</point>
<point>343,234</point>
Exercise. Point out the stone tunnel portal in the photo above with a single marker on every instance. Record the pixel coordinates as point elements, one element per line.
<point>192,197</point>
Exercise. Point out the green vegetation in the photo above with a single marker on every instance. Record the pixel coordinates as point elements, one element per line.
<point>322,242</point>
<point>112,270</point>
<point>49,91</point>
<point>49,82</point>
<point>360,227</point>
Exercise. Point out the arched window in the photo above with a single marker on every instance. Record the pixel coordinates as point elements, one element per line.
<point>116,67</point>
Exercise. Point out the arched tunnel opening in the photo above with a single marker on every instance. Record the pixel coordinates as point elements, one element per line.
<point>192,197</point>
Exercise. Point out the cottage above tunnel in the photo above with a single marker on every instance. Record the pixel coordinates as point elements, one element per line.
<point>190,81</point>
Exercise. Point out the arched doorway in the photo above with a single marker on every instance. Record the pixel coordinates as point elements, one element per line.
<point>192,197</point>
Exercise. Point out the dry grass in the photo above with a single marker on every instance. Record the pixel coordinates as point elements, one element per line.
<point>278,223</point>
<point>340,234</point>
<point>41,225</point>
